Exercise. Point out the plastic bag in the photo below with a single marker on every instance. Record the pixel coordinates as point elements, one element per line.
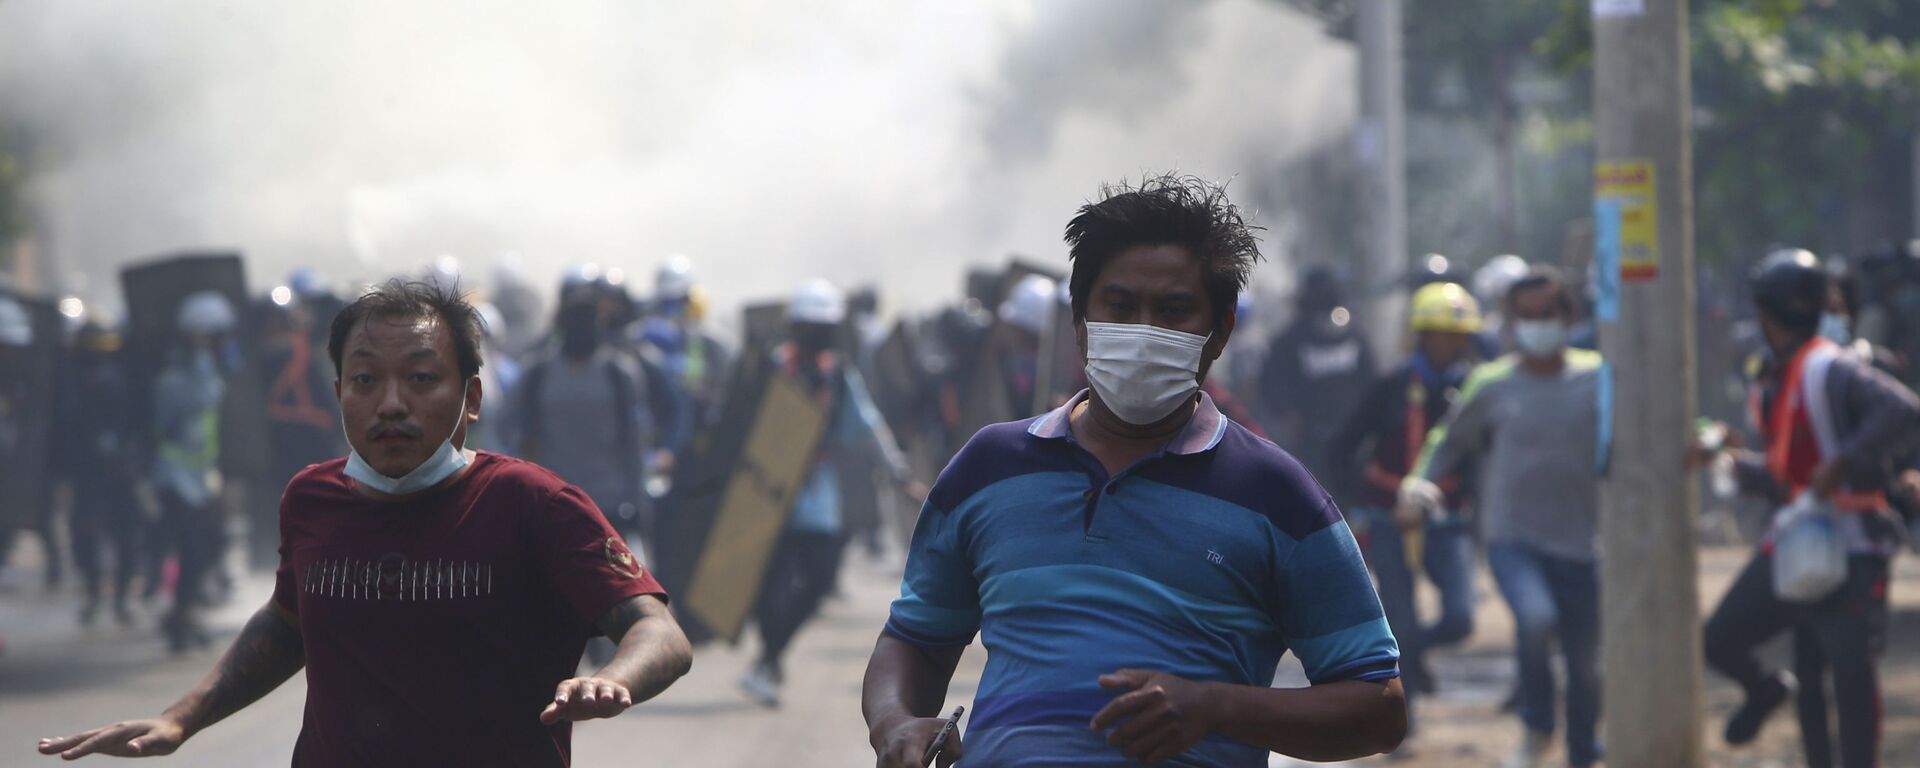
<point>1809,554</point>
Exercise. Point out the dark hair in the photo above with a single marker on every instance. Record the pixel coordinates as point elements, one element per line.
<point>412,300</point>
<point>1543,276</point>
<point>1169,209</point>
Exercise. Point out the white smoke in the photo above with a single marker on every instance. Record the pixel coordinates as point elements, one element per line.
<point>891,143</point>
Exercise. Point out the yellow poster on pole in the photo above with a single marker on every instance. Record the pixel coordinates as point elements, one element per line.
<point>1630,183</point>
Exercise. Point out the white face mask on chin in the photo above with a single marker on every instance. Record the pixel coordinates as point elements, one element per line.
<point>1142,372</point>
<point>441,465</point>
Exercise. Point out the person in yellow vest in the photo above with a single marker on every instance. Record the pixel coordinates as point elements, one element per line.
<point>1831,424</point>
<point>186,467</point>
<point>1373,454</point>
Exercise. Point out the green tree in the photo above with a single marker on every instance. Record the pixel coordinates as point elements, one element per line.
<point>1804,116</point>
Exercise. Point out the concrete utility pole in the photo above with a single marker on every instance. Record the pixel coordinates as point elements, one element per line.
<point>1650,607</point>
<point>1381,147</point>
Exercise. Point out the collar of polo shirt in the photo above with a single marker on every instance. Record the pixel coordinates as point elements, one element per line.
<point>1201,434</point>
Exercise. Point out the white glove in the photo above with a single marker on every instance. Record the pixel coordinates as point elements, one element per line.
<point>1419,499</point>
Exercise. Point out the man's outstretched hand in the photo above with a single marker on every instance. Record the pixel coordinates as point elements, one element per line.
<point>586,698</point>
<point>133,738</point>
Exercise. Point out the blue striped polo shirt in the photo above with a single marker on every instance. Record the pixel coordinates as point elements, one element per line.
<point>1208,560</point>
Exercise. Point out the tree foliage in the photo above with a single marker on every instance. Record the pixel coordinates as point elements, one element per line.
<point>1805,112</point>
<point>1804,115</point>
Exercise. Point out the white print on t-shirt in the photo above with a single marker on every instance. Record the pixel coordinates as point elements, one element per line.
<point>1335,360</point>
<point>395,577</point>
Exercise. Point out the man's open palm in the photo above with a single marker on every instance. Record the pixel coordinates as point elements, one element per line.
<point>132,738</point>
<point>586,698</point>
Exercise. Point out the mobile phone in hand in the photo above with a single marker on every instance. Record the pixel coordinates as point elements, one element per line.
<point>940,740</point>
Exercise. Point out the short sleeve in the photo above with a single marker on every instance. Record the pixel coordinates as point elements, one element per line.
<point>286,585</point>
<point>1328,611</point>
<point>939,604</point>
<point>580,554</point>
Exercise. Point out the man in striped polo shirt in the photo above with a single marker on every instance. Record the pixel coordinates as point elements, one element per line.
<point>1135,563</point>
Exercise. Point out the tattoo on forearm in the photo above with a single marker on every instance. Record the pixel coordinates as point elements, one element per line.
<point>267,652</point>
<point>623,616</point>
<point>653,652</point>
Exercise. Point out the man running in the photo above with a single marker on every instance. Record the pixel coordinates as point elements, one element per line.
<point>1833,425</point>
<point>439,598</point>
<point>1135,563</point>
<point>1532,421</point>
<point>1375,450</point>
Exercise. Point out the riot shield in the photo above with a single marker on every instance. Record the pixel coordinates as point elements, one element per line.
<point>27,384</point>
<point>732,495</point>
<point>154,291</point>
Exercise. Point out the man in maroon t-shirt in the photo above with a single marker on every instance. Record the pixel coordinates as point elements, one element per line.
<point>439,598</point>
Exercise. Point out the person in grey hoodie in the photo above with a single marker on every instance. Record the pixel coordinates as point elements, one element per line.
<point>1833,425</point>
<point>1530,419</point>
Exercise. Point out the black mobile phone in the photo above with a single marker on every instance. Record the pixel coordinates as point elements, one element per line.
<point>940,741</point>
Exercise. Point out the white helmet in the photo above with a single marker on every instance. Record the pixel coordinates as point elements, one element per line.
<point>1029,304</point>
<point>16,326</point>
<point>1491,281</point>
<point>674,278</point>
<point>492,323</point>
<point>817,301</point>
<point>443,271</point>
<point>206,313</point>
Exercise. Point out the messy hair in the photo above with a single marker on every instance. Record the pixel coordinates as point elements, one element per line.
<point>1169,209</point>
<point>413,300</point>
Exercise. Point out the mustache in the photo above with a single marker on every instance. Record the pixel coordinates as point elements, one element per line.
<point>403,429</point>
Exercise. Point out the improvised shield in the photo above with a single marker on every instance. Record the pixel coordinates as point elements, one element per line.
<point>732,496</point>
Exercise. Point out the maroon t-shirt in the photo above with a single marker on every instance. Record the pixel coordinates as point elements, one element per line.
<point>437,628</point>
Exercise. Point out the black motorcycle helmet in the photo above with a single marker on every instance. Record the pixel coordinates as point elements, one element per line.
<point>1790,286</point>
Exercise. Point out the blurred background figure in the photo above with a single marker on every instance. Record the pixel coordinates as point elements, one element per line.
<point>805,563</point>
<point>16,337</point>
<point>97,457</point>
<point>675,335</point>
<point>1373,454</point>
<point>186,475</point>
<point>581,410</point>
<point>303,416</point>
<point>1315,372</point>
<point>1026,319</point>
<point>1490,284</point>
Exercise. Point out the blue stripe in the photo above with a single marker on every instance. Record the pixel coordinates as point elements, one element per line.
<point>1054,646</point>
<point>1340,654</point>
<point>929,620</point>
<point>1102,586</point>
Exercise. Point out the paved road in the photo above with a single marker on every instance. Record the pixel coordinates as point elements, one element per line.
<point>56,677</point>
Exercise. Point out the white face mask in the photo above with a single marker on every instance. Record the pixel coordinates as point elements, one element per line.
<point>440,466</point>
<point>1142,372</point>
<point>1540,338</point>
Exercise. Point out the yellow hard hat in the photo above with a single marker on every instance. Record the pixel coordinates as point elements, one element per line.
<point>1444,307</point>
<point>696,303</point>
